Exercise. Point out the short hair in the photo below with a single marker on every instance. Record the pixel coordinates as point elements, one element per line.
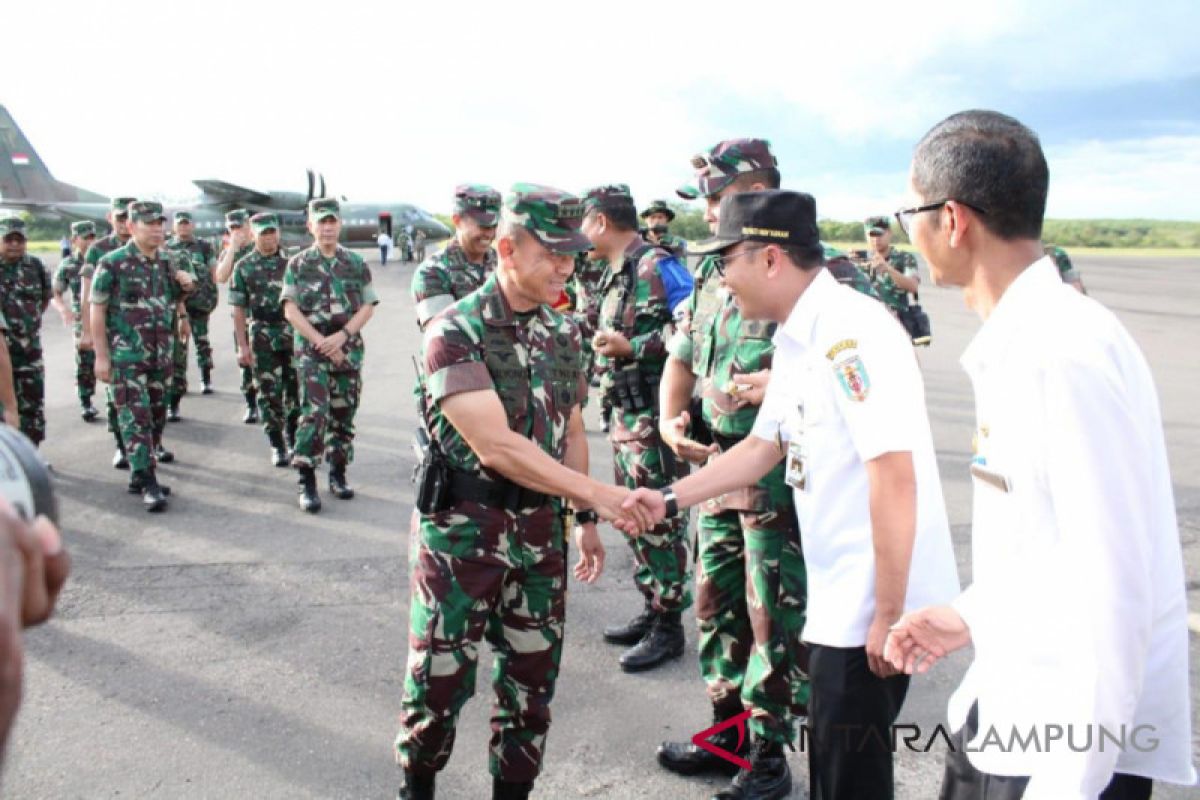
<point>510,229</point>
<point>768,177</point>
<point>806,257</point>
<point>989,160</point>
<point>622,215</point>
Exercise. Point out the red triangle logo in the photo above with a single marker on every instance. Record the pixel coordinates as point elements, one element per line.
<point>701,739</point>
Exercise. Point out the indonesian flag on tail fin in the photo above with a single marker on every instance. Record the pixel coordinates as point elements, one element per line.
<point>20,159</point>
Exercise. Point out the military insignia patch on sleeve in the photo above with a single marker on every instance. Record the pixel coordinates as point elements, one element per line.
<point>852,375</point>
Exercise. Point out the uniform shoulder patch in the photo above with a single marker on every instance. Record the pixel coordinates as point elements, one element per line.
<point>841,347</point>
<point>850,370</point>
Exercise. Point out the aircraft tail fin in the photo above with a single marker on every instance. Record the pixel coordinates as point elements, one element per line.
<point>23,174</point>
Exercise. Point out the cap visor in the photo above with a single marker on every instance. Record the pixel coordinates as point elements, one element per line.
<point>488,219</point>
<point>327,215</point>
<point>713,245</point>
<point>575,243</point>
<point>688,192</point>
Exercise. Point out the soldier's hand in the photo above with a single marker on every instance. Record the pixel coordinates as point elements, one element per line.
<point>648,506</point>
<point>608,504</point>
<point>243,357</point>
<point>185,329</point>
<point>591,553</point>
<point>332,344</point>
<point>84,343</point>
<point>338,358</point>
<point>44,563</point>
<point>103,369</point>
<point>185,280</point>
<point>757,383</point>
<point>674,434</point>
<point>612,344</point>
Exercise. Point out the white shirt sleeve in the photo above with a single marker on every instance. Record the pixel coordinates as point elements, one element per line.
<point>768,424</point>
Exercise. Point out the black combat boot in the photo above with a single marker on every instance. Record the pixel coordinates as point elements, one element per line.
<point>663,642</point>
<point>685,758</point>
<point>88,411</point>
<point>511,790</point>
<point>290,433</point>
<point>251,415</point>
<point>631,632</point>
<point>310,501</point>
<point>173,411</point>
<point>162,455</point>
<point>120,459</point>
<point>206,381</point>
<point>417,787</point>
<point>279,451</point>
<point>153,496</point>
<point>769,777</point>
<point>337,482</point>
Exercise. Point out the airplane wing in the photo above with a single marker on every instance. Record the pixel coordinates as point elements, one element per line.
<point>50,208</point>
<point>224,192</point>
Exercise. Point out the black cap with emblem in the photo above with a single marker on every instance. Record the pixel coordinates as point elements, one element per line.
<point>774,216</point>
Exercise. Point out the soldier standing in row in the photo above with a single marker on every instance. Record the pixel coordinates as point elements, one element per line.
<point>118,217</point>
<point>254,291</point>
<point>644,284</point>
<point>200,303</point>
<point>327,297</point>
<point>25,291</point>
<point>68,277</point>
<point>240,245</point>
<point>137,301</point>
<point>657,218</point>
<point>751,590</point>
<point>463,265</point>
<point>502,382</point>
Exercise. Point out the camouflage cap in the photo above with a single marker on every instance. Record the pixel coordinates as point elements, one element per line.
<point>236,218</point>
<point>721,165</point>
<point>146,211</point>
<point>552,215</point>
<point>183,216</point>
<point>12,225</point>
<point>323,208</point>
<point>659,207</point>
<point>120,205</point>
<point>479,202</point>
<point>610,195</point>
<point>264,222</point>
<point>83,228</point>
<point>877,225</point>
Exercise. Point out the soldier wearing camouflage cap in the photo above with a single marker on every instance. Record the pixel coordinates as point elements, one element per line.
<point>657,217</point>
<point>25,291</point>
<point>893,272</point>
<point>138,310</point>
<point>643,285</point>
<point>254,292</point>
<point>750,572</point>
<point>463,265</point>
<point>240,244</point>
<point>68,277</point>
<point>502,380</point>
<point>199,258</point>
<point>328,298</point>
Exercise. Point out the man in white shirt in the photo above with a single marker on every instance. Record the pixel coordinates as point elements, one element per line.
<point>385,246</point>
<point>1077,609</point>
<point>846,407</point>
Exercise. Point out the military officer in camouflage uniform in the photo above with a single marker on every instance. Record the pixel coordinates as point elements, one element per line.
<point>137,311</point>
<point>657,217</point>
<point>327,297</point>
<point>237,223</point>
<point>465,263</point>
<point>8,396</point>
<point>751,589</point>
<point>67,277</point>
<point>201,261</point>
<point>25,291</point>
<point>502,379</point>
<point>893,272</point>
<point>1066,270</point>
<point>256,285</point>
<point>630,343</point>
<point>118,217</point>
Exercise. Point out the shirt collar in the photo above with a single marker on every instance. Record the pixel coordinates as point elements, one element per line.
<point>1020,300</point>
<point>497,311</point>
<point>800,322</point>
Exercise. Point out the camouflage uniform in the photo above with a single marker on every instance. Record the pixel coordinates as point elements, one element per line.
<point>847,272</point>
<point>241,218</point>
<point>485,571</point>
<point>141,297</point>
<point>328,291</point>
<point>25,291</point>
<point>1066,270</point>
<point>677,245</point>
<point>255,286</point>
<point>68,277</point>
<point>198,259</point>
<point>448,276</point>
<point>892,295</point>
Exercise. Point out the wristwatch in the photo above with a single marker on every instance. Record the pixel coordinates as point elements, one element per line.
<point>585,516</point>
<point>672,504</point>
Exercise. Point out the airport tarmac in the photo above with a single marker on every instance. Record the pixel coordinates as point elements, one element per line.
<point>237,647</point>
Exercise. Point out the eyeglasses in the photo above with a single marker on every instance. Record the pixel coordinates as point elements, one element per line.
<point>904,216</point>
<point>721,262</point>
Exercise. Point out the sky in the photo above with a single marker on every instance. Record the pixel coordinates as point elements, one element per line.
<point>402,101</point>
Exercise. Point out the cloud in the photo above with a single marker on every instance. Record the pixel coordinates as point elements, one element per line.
<point>1141,178</point>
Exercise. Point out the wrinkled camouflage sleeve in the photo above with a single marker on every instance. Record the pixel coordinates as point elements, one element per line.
<point>289,291</point>
<point>452,360</point>
<point>431,290</point>
<point>369,296</point>
<point>102,284</point>
<point>651,313</point>
<point>238,294</point>
<point>60,278</point>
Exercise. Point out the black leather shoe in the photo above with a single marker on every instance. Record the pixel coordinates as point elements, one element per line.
<point>162,455</point>
<point>685,758</point>
<point>310,501</point>
<point>173,412</point>
<point>511,790</point>
<point>206,382</point>
<point>89,412</point>
<point>417,787</point>
<point>662,643</point>
<point>154,499</point>
<point>251,415</point>
<point>633,631</point>
<point>137,486</point>
<point>337,482</point>
<point>119,461</point>
<point>769,777</point>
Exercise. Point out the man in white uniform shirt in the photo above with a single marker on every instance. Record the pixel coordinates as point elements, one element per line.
<point>1077,609</point>
<point>845,407</point>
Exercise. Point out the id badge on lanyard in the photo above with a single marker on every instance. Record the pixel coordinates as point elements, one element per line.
<point>796,462</point>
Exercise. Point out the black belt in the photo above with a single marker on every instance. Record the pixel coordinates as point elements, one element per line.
<point>495,493</point>
<point>268,317</point>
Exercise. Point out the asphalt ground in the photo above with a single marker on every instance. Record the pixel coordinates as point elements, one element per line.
<point>236,647</point>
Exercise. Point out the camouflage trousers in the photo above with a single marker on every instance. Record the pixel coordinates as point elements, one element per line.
<point>480,573</point>
<point>751,594</point>
<point>328,401</point>
<point>29,384</point>
<point>660,555</point>
<point>248,384</point>
<point>139,396</point>
<point>278,391</point>
<point>85,369</point>
<point>179,383</point>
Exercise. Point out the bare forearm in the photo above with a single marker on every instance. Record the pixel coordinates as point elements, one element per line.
<point>99,327</point>
<point>576,457</point>
<point>360,318</point>
<point>239,327</point>
<point>224,266</point>
<point>893,498</point>
<point>905,283</point>
<point>745,464</point>
<point>675,391</point>
<point>523,462</point>
<point>300,322</point>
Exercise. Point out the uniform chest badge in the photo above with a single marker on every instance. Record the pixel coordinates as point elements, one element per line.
<point>850,370</point>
